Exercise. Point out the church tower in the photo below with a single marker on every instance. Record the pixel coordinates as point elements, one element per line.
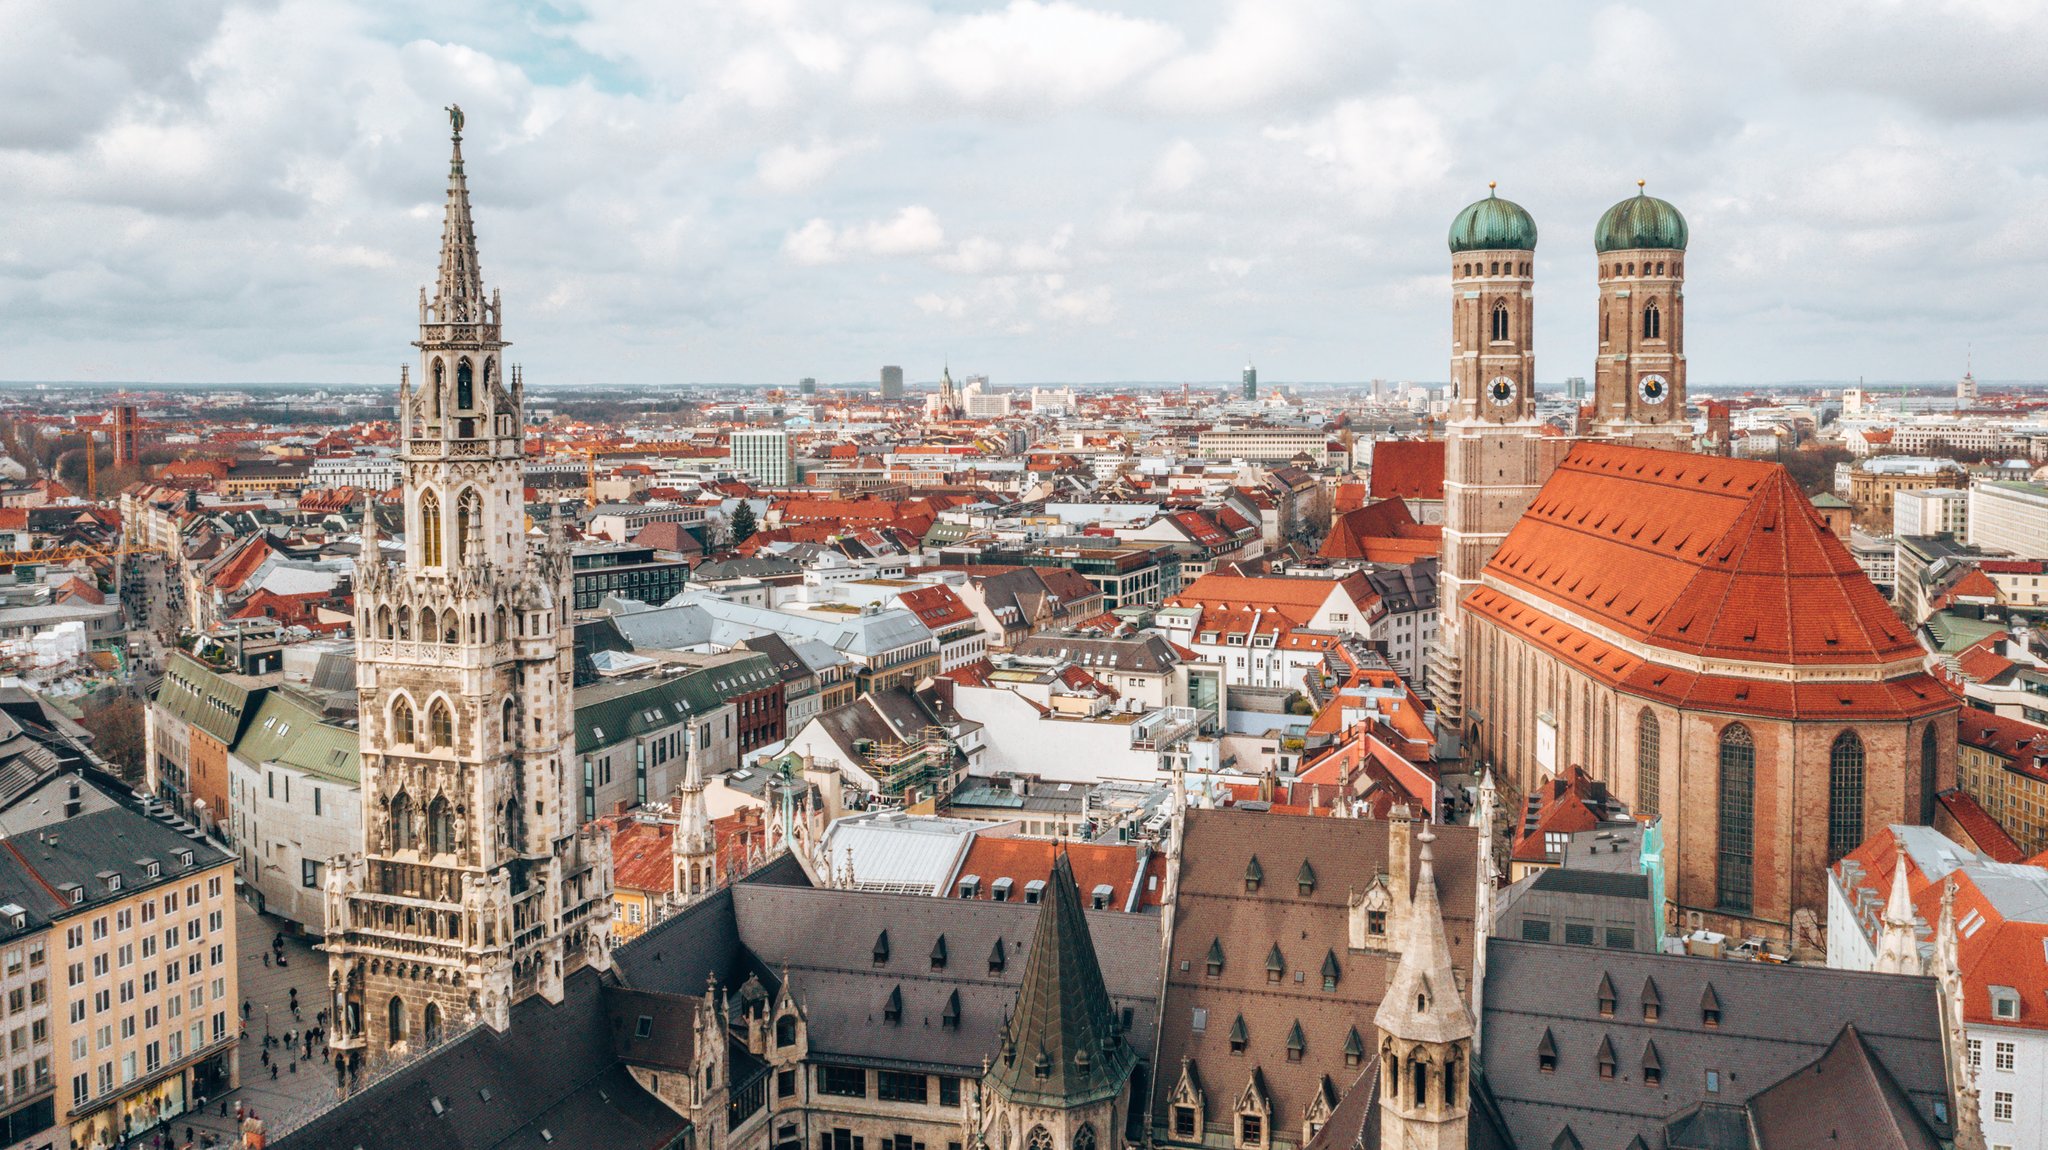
<point>1493,457</point>
<point>473,888</point>
<point>1639,376</point>
<point>1062,1075</point>
<point>1425,1032</point>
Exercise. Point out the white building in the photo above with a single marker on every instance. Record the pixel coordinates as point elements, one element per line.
<point>1879,920</point>
<point>374,473</point>
<point>1935,511</point>
<point>296,805</point>
<point>2008,516</point>
<point>765,454</point>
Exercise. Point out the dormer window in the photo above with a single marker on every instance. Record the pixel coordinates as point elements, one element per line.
<point>999,890</point>
<point>1305,880</point>
<point>1276,964</point>
<point>1606,1058</point>
<point>1354,1048</point>
<point>2005,1003</point>
<point>1215,961</point>
<point>939,954</point>
<point>950,1017</point>
<point>998,957</point>
<point>184,857</point>
<point>1240,1036</point>
<point>892,1010</point>
<point>1546,1054</point>
<point>1331,970</point>
<point>1710,1007</point>
<point>1297,1043</point>
<point>882,949</point>
<point>1606,997</point>
<point>1254,876</point>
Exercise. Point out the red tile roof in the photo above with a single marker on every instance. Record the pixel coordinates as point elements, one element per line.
<point>1408,469</point>
<point>1712,557</point>
<point>1095,864</point>
<point>2023,745</point>
<point>1981,832</point>
<point>1382,532</point>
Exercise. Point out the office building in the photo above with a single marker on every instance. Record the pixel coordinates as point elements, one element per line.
<point>807,386</point>
<point>892,383</point>
<point>765,455</point>
<point>2009,516</point>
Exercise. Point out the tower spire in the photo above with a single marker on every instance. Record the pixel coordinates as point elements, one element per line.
<point>1062,1048</point>
<point>459,289</point>
<point>1898,944</point>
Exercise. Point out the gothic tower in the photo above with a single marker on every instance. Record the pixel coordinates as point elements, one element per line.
<point>1493,457</point>
<point>1425,1032</point>
<point>1062,1075</point>
<point>1639,376</point>
<point>473,888</point>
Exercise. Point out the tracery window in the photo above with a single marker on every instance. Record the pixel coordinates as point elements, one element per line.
<point>1735,880</point>
<point>1649,755</point>
<point>1845,795</point>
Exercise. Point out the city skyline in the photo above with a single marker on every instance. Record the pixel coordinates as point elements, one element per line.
<point>743,197</point>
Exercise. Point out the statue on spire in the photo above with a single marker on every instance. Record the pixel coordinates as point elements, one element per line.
<point>455,118</point>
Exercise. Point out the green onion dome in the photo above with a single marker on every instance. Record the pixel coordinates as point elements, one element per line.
<point>1493,224</point>
<point>1641,221</point>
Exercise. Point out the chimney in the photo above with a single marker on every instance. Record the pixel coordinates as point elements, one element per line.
<point>1398,826</point>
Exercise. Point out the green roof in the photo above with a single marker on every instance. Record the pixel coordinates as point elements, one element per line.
<point>1641,221</point>
<point>290,731</point>
<point>1493,224</point>
<point>196,693</point>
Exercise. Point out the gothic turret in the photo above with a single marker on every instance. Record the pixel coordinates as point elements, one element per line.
<point>1064,1062</point>
<point>1425,1031</point>
<point>1898,943</point>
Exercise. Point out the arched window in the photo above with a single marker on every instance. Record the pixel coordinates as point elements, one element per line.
<point>469,526</point>
<point>384,622</point>
<point>785,1030</point>
<point>401,722</point>
<point>403,837</point>
<point>404,623</point>
<point>1418,1078</point>
<point>1653,322</point>
<point>1734,887</point>
<point>440,827</point>
<point>1038,1139</point>
<point>430,1024</point>
<point>1845,795</point>
<point>508,826</point>
<point>451,627</point>
<point>1649,761</point>
<point>395,1019</point>
<point>1084,1138</point>
<point>1603,327</point>
<point>1930,770</point>
<point>434,392</point>
<point>488,373</point>
<point>498,625</point>
<point>1452,1072</point>
<point>509,729</point>
<point>465,390</point>
<point>1500,320</point>
<point>430,529</point>
<point>440,725</point>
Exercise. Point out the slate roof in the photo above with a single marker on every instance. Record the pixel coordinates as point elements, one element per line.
<point>1064,1045</point>
<point>827,941</point>
<point>1847,1098</point>
<point>1139,654</point>
<point>1215,910</point>
<point>551,1080</point>
<point>1774,1020</point>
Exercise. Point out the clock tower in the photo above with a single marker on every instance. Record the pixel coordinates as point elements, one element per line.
<point>1639,376</point>
<point>1494,454</point>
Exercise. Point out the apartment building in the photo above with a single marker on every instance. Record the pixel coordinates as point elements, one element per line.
<point>27,1058</point>
<point>140,987</point>
<point>2009,516</point>
<point>766,455</point>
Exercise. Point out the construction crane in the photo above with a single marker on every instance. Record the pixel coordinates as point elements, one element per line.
<point>68,552</point>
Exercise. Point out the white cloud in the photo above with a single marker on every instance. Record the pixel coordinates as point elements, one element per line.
<point>763,183</point>
<point>1033,56</point>
<point>913,231</point>
<point>789,168</point>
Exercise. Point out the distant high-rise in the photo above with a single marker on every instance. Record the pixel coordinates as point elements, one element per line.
<point>892,383</point>
<point>1966,392</point>
<point>807,386</point>
<point>1575,387</point>
<point>1251,382</point>
<point>124,435</point>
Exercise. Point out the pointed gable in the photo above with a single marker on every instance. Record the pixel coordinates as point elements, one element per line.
<point>1062,1046</point>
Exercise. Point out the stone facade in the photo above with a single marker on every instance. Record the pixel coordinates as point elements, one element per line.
<point>473,888</point>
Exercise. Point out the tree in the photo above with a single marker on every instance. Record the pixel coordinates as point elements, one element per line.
<point>116,725</point>
<point>743,525</point>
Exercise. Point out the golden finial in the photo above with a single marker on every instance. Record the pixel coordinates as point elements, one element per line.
<point>1639,185</point>
<point>1490,185</point>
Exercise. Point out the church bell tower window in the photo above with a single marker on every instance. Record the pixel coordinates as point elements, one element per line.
<point>465,390</point>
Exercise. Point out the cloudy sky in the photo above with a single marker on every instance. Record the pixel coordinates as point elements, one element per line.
<point>753,191</point>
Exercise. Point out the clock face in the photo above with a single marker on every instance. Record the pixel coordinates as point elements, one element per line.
<point>1653,388</point>
<point>1501,391</point>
